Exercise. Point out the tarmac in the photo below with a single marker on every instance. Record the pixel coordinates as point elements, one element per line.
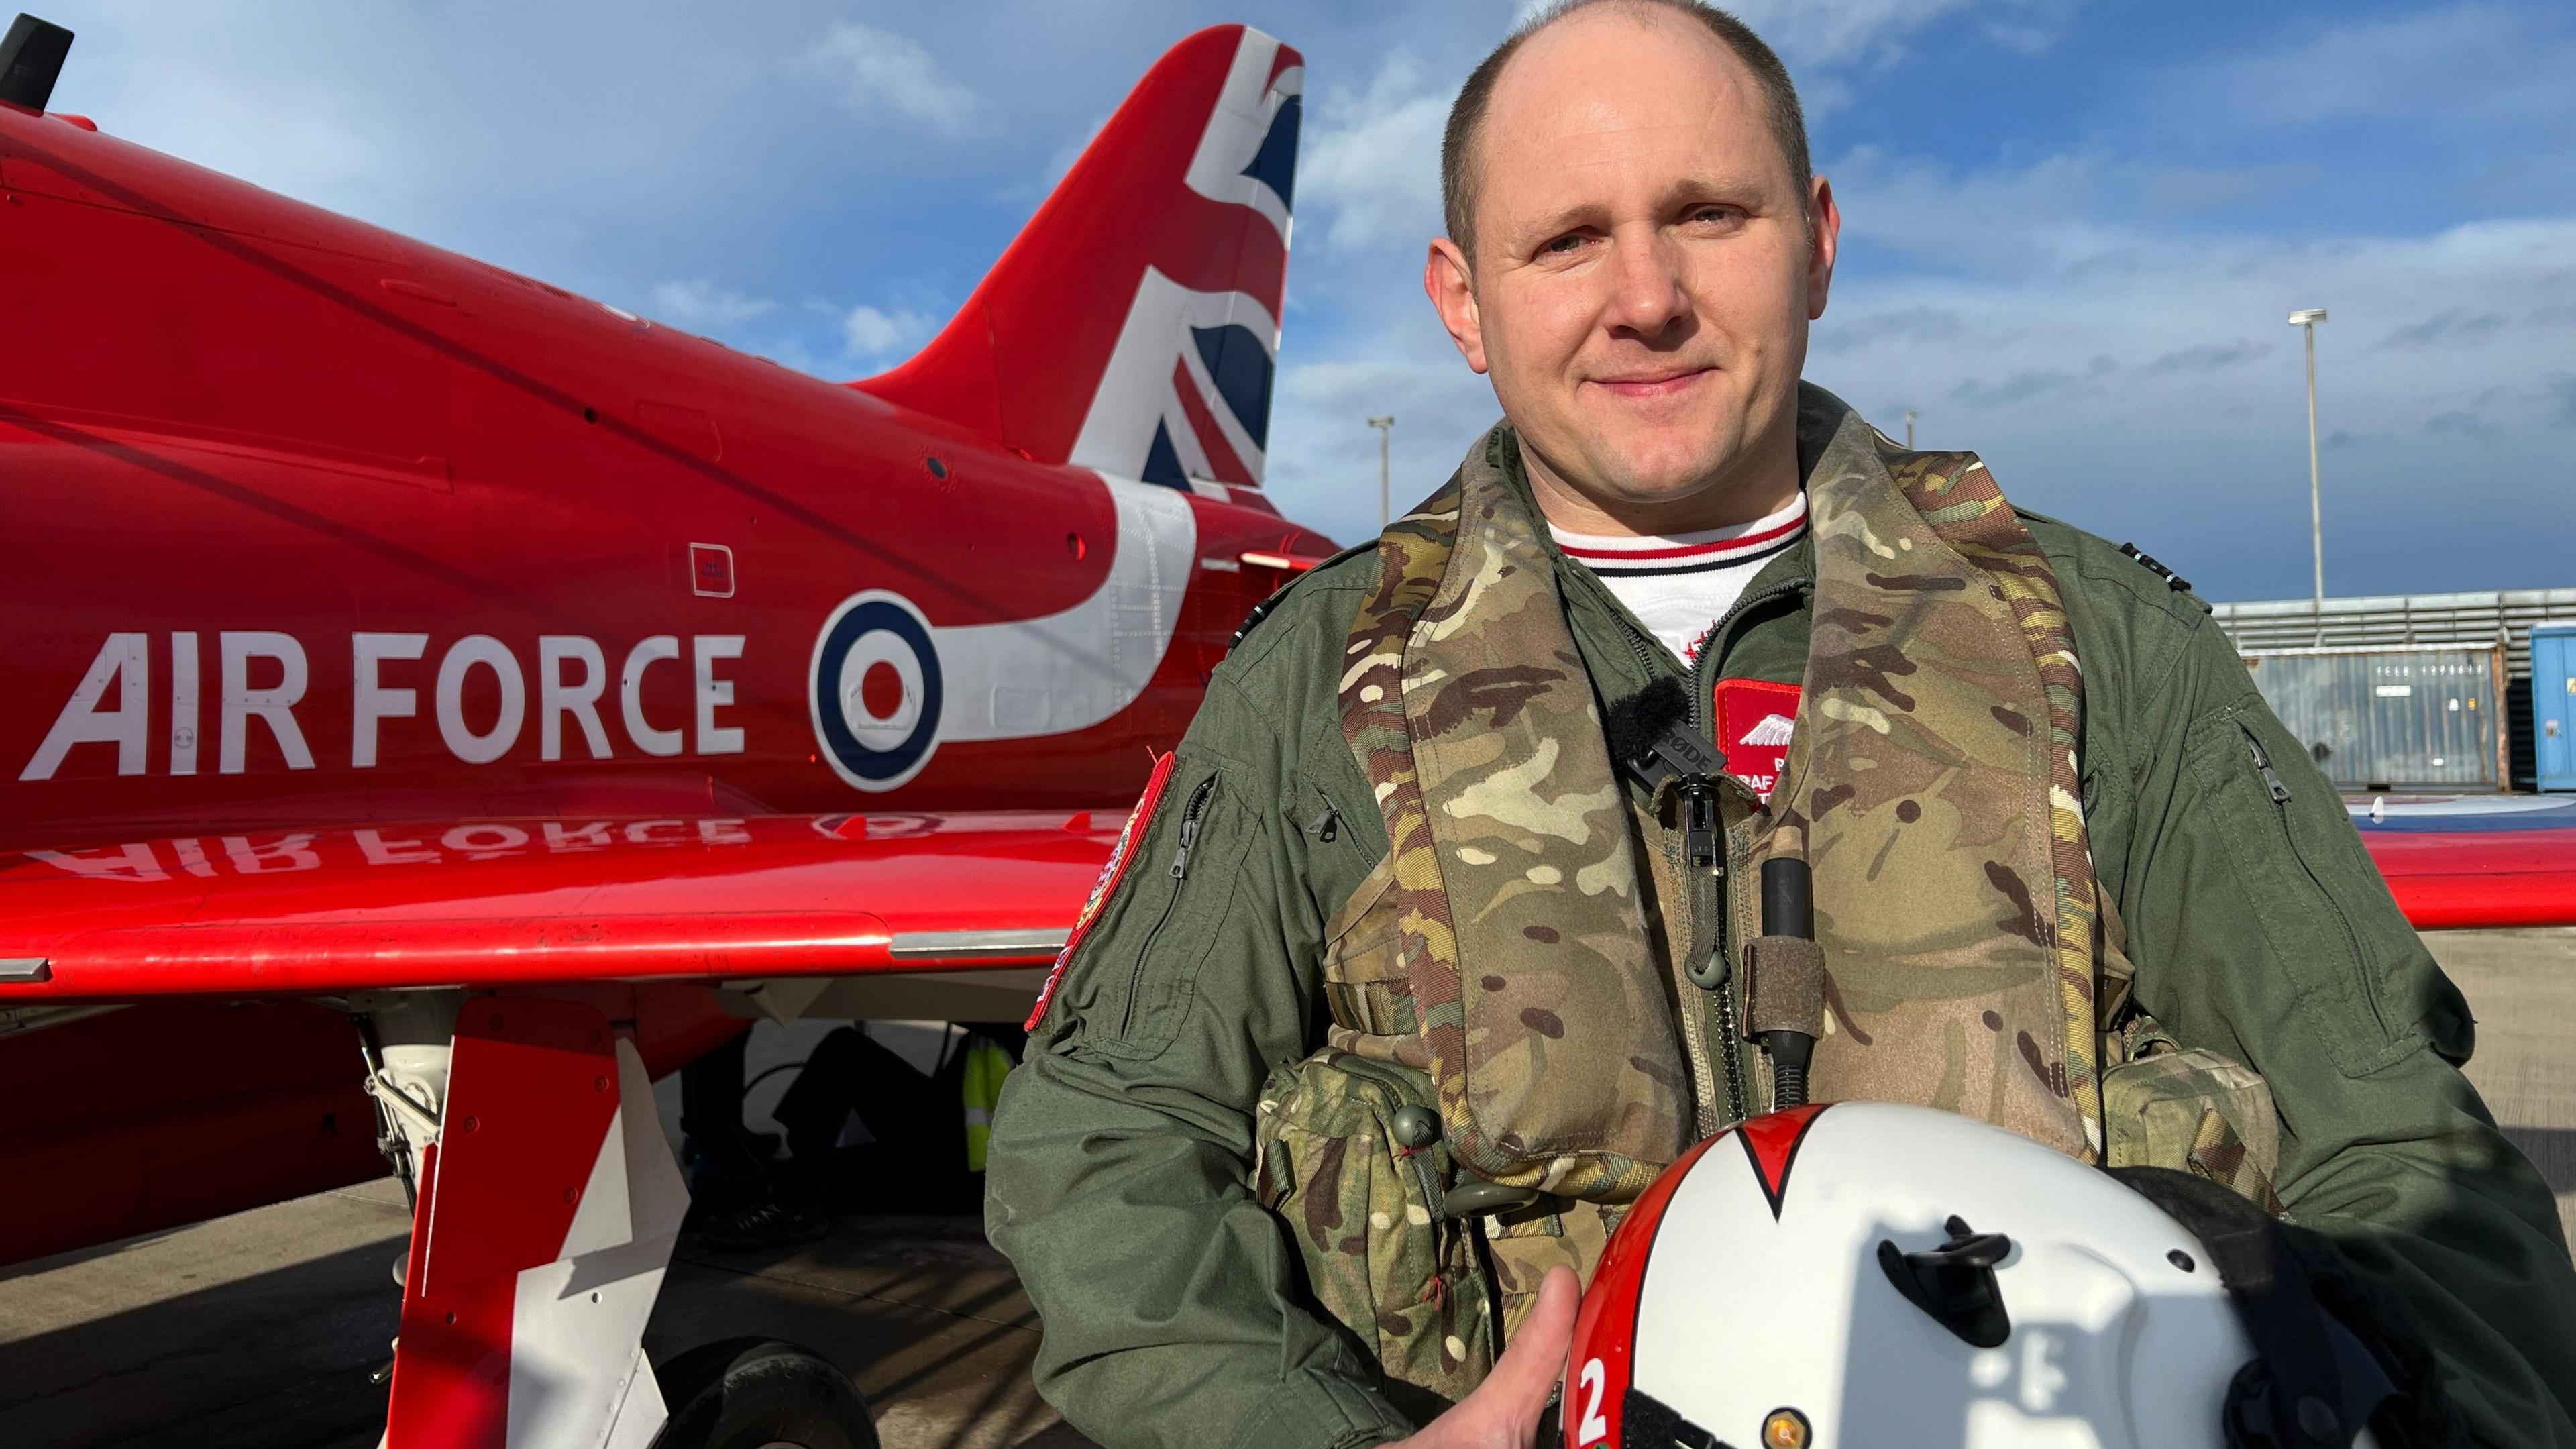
<point>259,1331</point>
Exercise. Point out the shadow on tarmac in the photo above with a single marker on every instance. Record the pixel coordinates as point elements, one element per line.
<point>926,1318</point>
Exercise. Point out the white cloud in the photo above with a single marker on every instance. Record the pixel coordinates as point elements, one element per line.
<point>2034,298</point>
<point>1062,161</point>
<point>1826,32</point>
<point>538,155</point>
<point>703,306</point>
<point>1836,32</point>
<point>2139,377</point>
<point>879,70</point>
<point>1324,455</point>
<point>2481,60</point>
<point>873,334</point>
<point>2119,365</point>
<point>2041,215</point>
<point>1982,296</point>
<point>1373,170</point>
<point>1840,32</point>
<point>1371,163</point>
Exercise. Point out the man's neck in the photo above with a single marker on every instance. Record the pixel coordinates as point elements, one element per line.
<point>1755,487</point>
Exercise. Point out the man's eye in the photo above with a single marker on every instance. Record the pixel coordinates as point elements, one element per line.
<point>1569,242</point>
<point>1718,215</point>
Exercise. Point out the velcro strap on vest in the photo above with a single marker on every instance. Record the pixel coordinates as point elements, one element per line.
<point>1371,1008</point>
<point>1785,985</point>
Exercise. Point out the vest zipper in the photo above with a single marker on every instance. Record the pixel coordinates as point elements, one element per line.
<point>1694,1023</point>
<point>2279,790</point>
<point>1191,815</point>
<point>1703,699</point>
<point>1703,855</point>
<point>1707,905</point>
<point>1730,1029</point>
<point>1655,661</point>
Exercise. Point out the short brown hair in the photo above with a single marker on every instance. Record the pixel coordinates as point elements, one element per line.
<point>1467,113</point>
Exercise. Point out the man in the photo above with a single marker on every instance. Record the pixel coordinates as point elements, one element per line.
<point>928,1133</point>
<point>1311,1128</point>
<point>922,1148</point>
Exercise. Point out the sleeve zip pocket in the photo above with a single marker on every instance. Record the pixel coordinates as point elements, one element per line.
<point>2279,790</point>
<point>2263,762</point>
<point>1193,816</point>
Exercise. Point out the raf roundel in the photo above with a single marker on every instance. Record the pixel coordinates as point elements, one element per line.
<point>875,690</point>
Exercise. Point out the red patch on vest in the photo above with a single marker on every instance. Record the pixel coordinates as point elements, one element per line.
<point>1130,837</point>
<point>1755,719</point>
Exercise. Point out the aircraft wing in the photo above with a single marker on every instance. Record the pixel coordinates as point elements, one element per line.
<point>2475,862</point>
<point>502,902</point>
<point>512,901</point>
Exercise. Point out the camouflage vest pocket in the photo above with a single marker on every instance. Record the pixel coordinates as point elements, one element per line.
<point>1332,1162</point>
<point>2198,1112</point>
<point>1365,986</point>
<point>1523,1246</point>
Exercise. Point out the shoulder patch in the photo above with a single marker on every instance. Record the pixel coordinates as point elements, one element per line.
<point>1131,838</point>
<point>2173,581</point>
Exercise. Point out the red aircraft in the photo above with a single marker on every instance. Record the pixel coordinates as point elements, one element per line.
<point>398,640</point>
<point>504,670</point>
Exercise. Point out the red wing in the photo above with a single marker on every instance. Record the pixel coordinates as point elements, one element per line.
<point>2476,862</point>
<point>500,902</point>
<point>497,902</point>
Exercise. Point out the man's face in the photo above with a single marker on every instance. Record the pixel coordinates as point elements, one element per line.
<point>1645,264</point>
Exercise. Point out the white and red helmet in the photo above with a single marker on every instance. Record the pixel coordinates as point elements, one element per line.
<point>1867,1275</point>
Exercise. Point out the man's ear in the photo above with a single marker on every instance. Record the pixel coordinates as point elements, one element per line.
<point>1824,234</point>
<point>1452,289</point>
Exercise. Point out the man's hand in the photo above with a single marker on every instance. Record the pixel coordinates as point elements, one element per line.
<point>1504,1410</point>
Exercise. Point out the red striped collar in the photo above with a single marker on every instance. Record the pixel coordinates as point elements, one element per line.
<point>1716,545</point>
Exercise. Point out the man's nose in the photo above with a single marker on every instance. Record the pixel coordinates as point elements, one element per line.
<point>1647,299</point>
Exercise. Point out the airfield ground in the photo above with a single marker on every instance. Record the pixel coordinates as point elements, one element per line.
<point>257,1331</point>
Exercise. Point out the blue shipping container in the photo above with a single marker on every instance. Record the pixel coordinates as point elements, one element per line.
<point>2553,704</point>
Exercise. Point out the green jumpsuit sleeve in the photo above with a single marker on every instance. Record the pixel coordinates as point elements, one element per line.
<point>1173,1304</point>
<point>2261,929</point>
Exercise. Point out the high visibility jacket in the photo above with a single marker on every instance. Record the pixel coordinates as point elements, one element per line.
<point>986,1064</point>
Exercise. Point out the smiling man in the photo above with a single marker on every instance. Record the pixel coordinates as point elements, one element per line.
<point>1408,979</point>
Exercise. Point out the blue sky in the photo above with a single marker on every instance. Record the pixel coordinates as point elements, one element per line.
<point>2073,229</point>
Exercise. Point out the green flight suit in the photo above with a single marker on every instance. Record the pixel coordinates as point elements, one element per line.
<point>1172,1301</point>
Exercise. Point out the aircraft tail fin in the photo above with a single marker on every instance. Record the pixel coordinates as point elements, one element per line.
<point>1133,325</point>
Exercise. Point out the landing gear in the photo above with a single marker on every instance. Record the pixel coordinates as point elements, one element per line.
<point>754,1393</point>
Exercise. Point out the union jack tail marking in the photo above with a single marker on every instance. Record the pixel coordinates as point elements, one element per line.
<point>1133,326</point>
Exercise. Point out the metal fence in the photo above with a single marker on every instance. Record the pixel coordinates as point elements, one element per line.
<point>2495,617</point>
<point>2393,717</point>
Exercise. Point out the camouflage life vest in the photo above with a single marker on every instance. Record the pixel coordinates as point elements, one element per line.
<point>1931,784</point>
<point>1519,949</point>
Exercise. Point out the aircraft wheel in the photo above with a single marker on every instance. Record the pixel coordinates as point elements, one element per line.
<point>755,1393</point>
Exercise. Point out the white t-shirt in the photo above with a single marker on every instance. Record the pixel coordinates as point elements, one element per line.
<point>1680,585</point>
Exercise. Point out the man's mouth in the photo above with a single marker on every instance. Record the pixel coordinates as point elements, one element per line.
<point>1659,382</point>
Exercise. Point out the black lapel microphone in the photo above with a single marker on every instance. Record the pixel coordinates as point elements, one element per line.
<point>1650,736</point>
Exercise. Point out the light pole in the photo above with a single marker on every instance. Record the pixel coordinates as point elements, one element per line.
<point>1385,429</point>
<point>1909,430</point>
<point>2306,319</point>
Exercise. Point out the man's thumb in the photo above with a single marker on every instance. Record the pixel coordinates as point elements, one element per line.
<point>1534,1360</point>
<point>1503,1411</point>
